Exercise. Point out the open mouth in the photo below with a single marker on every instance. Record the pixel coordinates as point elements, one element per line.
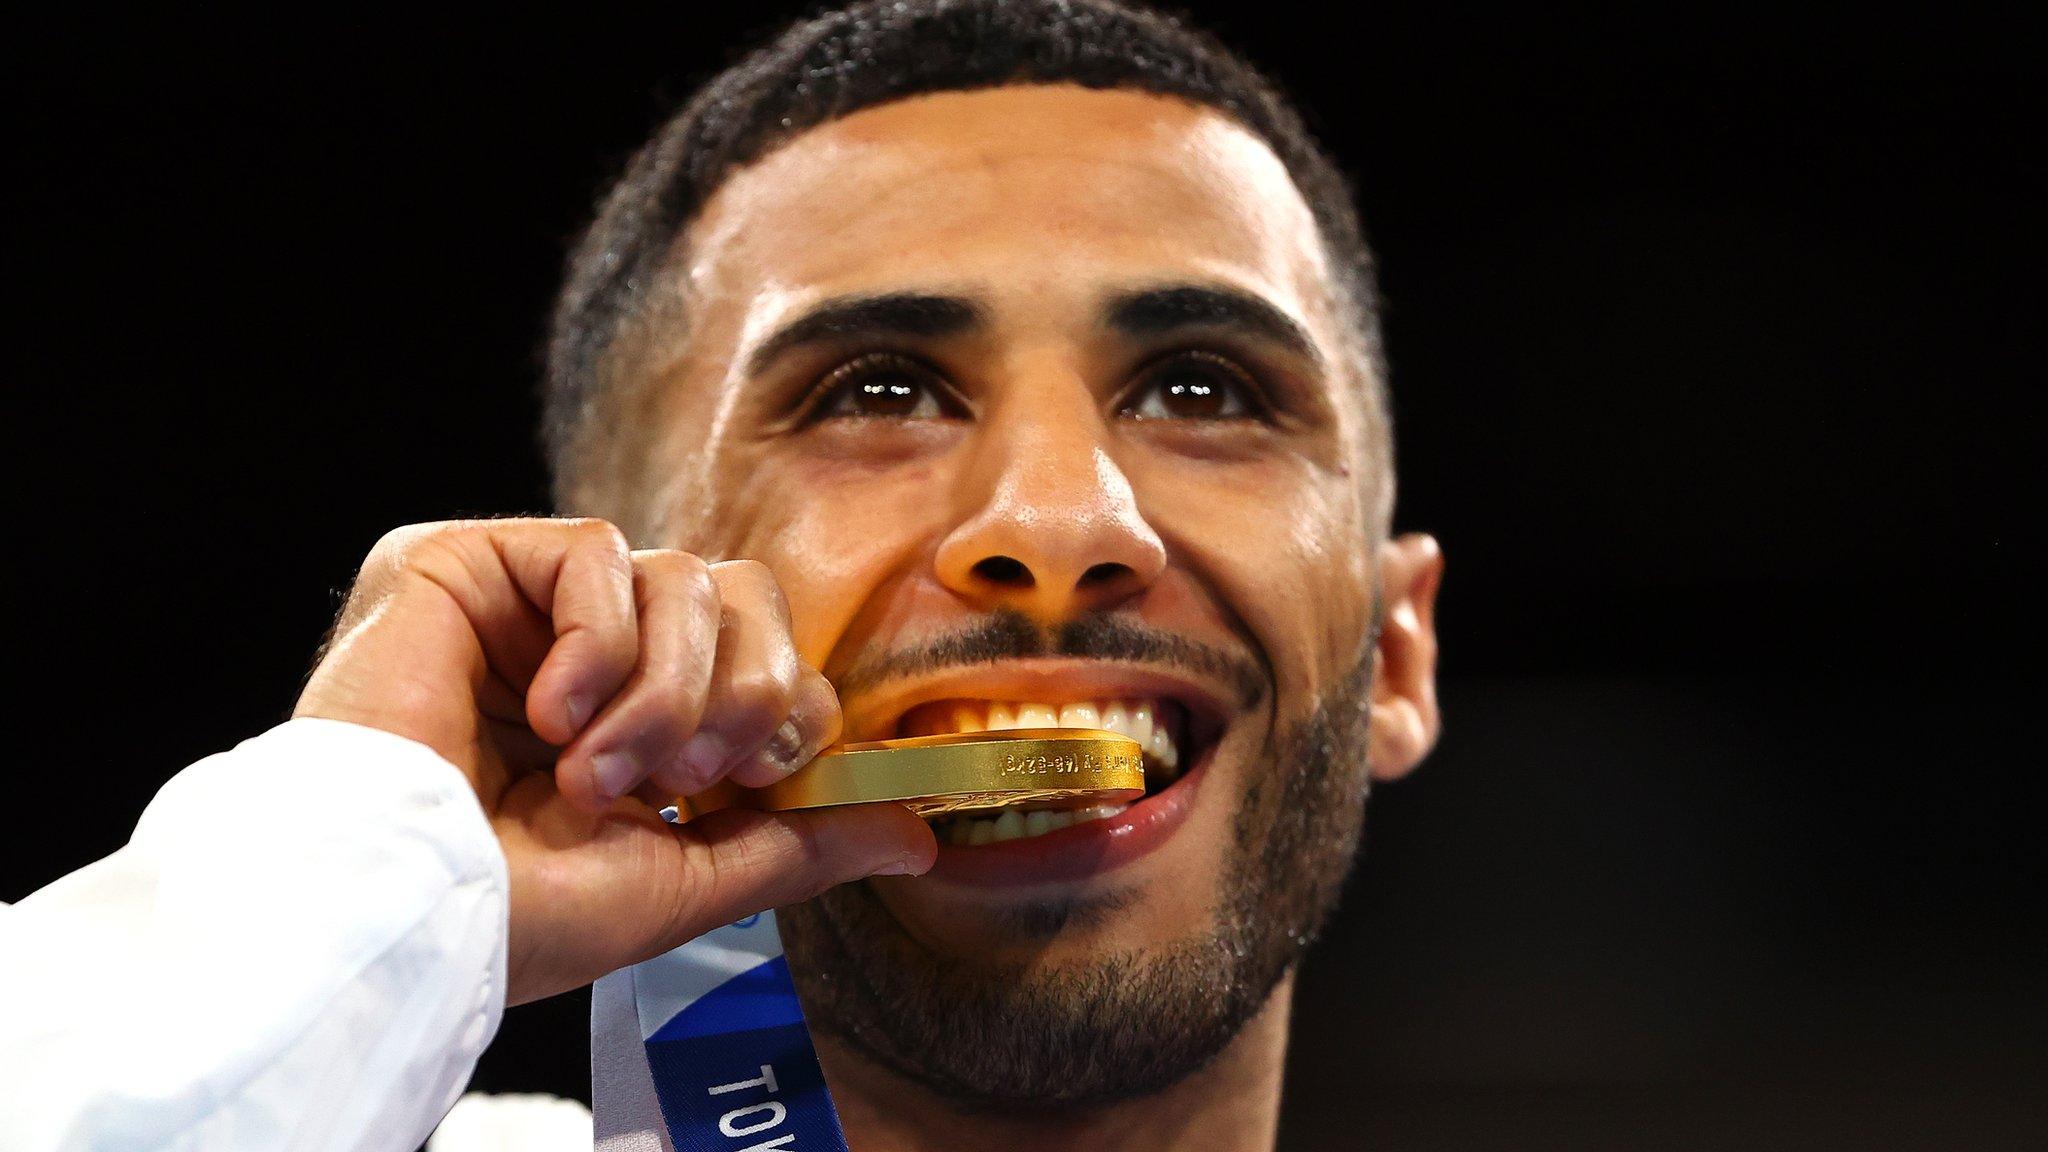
<point>1167,732</point>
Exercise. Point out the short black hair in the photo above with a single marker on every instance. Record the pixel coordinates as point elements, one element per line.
<point>873,52</point>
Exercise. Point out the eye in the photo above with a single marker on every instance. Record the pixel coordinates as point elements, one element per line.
<point>885,385</point>
<point>1193,386</point>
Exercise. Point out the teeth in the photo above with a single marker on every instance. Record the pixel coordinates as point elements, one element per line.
<point>1142,713</point>
<point>1015,825</point>
<point>1009,826</point>
<point>1161,748</point>
<point>1141,720</point>
<point>1153,725</point>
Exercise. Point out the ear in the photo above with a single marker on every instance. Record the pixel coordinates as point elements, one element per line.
<point>1405,719</point>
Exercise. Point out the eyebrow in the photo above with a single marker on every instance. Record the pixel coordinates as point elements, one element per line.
<point>842,318</point>
<point>1174,308</point>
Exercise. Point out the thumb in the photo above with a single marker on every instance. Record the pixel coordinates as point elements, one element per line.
<point>742,862</point>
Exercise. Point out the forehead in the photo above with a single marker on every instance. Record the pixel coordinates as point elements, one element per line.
<point>1022,193</point>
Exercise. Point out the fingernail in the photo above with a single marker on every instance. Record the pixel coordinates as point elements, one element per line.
<point>614,773</point>
<point>580,710</point>
<point>907,866</point>
<point>705,755</point>
<point>782,751</point>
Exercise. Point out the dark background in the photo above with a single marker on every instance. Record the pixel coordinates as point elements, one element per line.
<point>1716,348</point>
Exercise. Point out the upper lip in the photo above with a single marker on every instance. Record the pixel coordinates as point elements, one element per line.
<point>1038,679</point>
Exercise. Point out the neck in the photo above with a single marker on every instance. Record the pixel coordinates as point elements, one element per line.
<point>1233,1105</point>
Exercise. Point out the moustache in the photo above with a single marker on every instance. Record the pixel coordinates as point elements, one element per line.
<point>1008,634</point>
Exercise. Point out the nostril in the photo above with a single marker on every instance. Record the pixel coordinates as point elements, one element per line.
<point>1004,570</point>
<point>1102,574</point>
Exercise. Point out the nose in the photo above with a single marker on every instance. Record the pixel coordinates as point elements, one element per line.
<point>1054,530</point>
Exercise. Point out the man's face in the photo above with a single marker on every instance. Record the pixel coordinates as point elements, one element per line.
<point>1034,400</point>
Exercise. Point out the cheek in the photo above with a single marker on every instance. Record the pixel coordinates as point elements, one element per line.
<point>833,534</point>
<point>1284,547</point>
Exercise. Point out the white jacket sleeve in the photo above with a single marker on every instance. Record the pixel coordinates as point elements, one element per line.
<point>301,947</point>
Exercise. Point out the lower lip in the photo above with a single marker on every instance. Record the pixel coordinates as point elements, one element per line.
<point>1078,851</point>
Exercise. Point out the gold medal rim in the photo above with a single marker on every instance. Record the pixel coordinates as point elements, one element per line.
<point>955,771</point>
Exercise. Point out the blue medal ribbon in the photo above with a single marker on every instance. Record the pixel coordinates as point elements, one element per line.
<point>733,1064</point>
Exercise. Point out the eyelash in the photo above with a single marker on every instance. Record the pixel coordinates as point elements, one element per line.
<point>817,406</point>
<point>837,383</point>
<point>1257,406</point>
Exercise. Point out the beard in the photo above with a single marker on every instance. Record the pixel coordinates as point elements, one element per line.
<point>1086,1033</point>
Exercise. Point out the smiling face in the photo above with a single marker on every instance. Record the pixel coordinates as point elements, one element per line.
<point>1037,402</point>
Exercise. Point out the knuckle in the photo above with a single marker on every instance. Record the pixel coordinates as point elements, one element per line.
<point>438,552</point>
<point>756,699</point>
<point>606,533</point>
<point>705,597</point>
<point>730,868</point>
<point>749,570</point>
<point>400,544</point>
<point>661,744</point>
<point>593,532</point>
<point>696,572</point>
<point>683,569</point>
<point>812,685</point>
<point>672,712</point>
<point>397,554</point>
<point>750,577</point>
<point>821,704</point>
<point>688,574</point>
<point>805,851</point>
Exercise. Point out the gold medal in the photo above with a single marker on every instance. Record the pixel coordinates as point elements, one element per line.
<point>954,772</point>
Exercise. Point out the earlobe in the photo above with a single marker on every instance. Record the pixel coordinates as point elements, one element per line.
<point>1405,717</point>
